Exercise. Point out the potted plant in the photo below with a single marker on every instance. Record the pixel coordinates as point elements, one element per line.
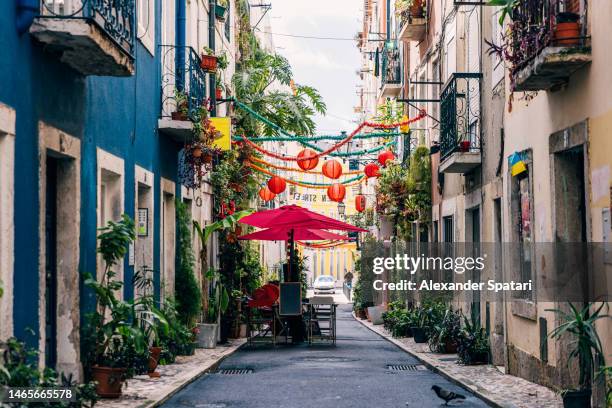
<point>182,107</point>
<point>580,325</point>
<point>473,342</point>
<point>217,304</point>
<point>443,335</point>
<point>419,330</point>
<point>115,339</point>
<point>219,91</point>
<point>567,29</point>
<point>464,146</point>
<point>149,318</point>
<point>208,60</point>
<point>221,9</point>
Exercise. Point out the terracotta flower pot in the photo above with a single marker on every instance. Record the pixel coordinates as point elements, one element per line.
<point>450,347</point>
<point>464,146</point>
<point>218,93</point>
<point>208,62</point>
<point>154,354</point>
<point>416,10</point>
<point>567,33</point>
<point>109,381</point>
<point>197,152</point>
<point>179,116</point>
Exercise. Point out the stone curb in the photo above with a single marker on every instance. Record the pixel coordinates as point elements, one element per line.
<point>486,397</point>
<point>212,367</point>
<point>167,391</point>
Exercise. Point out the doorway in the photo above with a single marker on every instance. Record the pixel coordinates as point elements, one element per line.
<point>51,263</point>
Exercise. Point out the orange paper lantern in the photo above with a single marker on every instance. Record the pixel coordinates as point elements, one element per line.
<point>385,156</point>
<point>277,185</point>
<point>265,194</point>
<point>360,203</point>
<point>371,170</point>
<point>308,159</point>
<point>336,192</point>
<point>332,169</point>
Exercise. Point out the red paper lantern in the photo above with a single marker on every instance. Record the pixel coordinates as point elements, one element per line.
<point>332,169</point>
<point>360,203</point>
<point>385,156</point>
<point>277,185</point>
<point>371,170</point>
<point>336,192</point>
<point>312,161</point>
<point>265,194</point>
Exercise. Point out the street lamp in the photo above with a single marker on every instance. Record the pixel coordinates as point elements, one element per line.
<point>341,209</point>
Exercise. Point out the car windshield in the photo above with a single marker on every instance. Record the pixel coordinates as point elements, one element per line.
<point>325,279</point>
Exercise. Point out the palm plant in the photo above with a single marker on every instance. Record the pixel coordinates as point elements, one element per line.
<point>265,83</point>
<point>587,344</point>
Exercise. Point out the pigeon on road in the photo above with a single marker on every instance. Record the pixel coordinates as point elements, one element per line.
<point>446,395</point>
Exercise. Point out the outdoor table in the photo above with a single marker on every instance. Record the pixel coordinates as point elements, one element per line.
<point>322,319</point>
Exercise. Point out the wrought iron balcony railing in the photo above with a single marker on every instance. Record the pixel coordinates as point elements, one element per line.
<point>114,17</point>
<point>537,24</point>
<point>412,22</point>
<point>391,64</point>
<point>460,114</point>
<point>183,81</point>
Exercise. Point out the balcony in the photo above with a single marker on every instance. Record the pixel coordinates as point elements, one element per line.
<point>183,91</point>
<point>95,37</point>
<point>548,44</point>
<point>459,123</point>
<point>391,70</point>
<point>413,24</point>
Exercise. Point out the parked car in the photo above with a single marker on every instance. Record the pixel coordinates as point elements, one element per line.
<point>324,284</point>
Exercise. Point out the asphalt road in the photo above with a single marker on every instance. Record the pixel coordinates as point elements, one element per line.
<point>352,374</point>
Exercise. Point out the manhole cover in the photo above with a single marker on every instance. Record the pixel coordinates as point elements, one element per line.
<point>448,359</point>
<point>405,367</point>
<point>235,371</point>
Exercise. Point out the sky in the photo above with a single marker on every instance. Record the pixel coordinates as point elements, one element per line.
<point>328,65</point>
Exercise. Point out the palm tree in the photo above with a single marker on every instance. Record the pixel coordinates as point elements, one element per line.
<point>265,83</point>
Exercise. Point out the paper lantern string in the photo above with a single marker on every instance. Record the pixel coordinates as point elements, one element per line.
<point>350,182</point>
<point>284,168</point>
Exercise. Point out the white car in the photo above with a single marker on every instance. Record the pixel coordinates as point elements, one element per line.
<point>324,284</point>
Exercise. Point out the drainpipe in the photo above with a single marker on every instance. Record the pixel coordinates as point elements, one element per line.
<point>211,44</point>
<point>181,23</point>
<point>26,11</point>
<point>388,20</point>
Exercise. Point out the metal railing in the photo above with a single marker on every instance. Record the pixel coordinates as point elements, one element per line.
<point>115,17</point>
<point>406,16</point>
<point>533,28</point>
<point>460,114</point>
<point>183,81</point>
<point>391,64</point>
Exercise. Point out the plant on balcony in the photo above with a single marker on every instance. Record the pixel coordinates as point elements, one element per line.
<point>580,325</point>
<point>404,194</point>
<point>221,9</point>
<point>182,106</point>
<point>208,60</point>
<point>410,8</point>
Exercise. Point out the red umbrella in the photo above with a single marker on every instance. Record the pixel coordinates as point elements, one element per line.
<point>296,217</point>
<point>300,234</point>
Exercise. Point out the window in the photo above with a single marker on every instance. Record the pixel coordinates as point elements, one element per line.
<point>448,229</point>
<point>228,25</point>
<point>451,50</point>
<point>146,24</point>
<point>521,197</point>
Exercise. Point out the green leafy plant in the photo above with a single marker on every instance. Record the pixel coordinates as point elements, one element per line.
<point>507,7</point>
<point>473,342</point>
<point>148,317</point>
<point>580,324</point>
<point>219,299</point>
<point>444,334</point>
<point>19,368</point>
<point>187,288</point>
<point>110,328</point>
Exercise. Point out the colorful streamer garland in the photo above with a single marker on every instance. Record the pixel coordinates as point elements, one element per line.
<point>261,161</point>
<point>347,183</point>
